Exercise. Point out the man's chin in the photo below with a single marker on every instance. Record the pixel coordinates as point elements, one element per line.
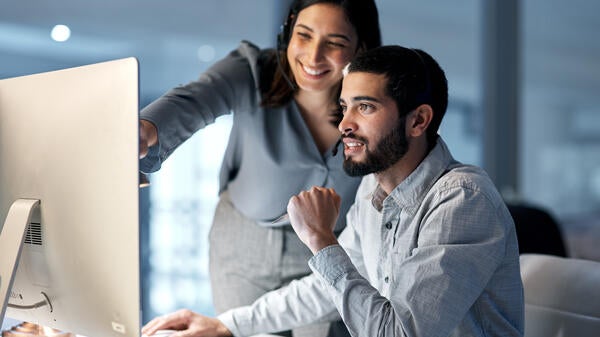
<point>355,168</point>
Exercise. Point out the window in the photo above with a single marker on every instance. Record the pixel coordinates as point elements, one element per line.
<point>183,195</point>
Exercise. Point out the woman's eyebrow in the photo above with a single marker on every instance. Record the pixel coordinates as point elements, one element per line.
<point>340,36</point>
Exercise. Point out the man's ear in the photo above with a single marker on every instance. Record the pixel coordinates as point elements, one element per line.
<point>419,120</point>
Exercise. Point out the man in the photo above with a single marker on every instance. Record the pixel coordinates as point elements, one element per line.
<point>430,248</point>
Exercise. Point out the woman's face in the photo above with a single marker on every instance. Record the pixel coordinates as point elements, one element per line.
<point>321,44</point>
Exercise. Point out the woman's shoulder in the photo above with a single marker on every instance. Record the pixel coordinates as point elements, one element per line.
<point>248,49</point>
<point>260,60</point>
<point>249,46</point>
<point>253,52</point>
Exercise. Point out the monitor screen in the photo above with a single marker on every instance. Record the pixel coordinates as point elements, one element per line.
<point>69,166</point>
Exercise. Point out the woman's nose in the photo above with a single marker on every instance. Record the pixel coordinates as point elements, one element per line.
<point>315,52</point>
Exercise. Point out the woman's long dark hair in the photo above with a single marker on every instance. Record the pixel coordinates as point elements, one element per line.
<point>277,80</point>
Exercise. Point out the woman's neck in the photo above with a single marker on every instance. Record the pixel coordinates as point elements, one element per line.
<point>316,109</point>
<point>315,103</point>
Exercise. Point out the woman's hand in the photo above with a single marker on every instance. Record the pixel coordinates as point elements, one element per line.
<point>148,137</point>
<point>187,324</point>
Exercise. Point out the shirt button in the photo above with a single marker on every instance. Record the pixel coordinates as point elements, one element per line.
<point>388,225</point>
<point>386,279</point>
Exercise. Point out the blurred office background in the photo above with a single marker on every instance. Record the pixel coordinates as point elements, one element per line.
<point>524,81</point>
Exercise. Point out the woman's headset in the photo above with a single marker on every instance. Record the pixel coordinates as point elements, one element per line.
<point>283,38</point>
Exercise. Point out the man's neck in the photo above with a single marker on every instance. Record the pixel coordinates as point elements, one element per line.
<point>395,174</point>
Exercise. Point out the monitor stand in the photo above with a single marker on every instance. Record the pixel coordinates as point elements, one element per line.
<point>11,244</point>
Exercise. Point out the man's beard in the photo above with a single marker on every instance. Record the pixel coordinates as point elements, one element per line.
<point>388,151</point>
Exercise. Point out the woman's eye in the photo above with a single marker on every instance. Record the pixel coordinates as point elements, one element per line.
<point>304,35</point>
<point>336,44</point>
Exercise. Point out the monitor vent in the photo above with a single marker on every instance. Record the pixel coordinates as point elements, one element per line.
<point>34,234</point>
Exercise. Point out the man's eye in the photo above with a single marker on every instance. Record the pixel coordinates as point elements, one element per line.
<point>364,107</point>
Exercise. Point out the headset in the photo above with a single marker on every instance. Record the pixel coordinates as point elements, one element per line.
<point>283,39</point>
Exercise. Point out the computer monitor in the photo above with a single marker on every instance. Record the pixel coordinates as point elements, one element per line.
<point>69,166</point>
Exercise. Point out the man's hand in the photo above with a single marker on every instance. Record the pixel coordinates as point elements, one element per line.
<point>148,137</point>
<point>313,215</point>
<point>187,324</point>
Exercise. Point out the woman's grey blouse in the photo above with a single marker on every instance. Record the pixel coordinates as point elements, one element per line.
<point>271,154</point>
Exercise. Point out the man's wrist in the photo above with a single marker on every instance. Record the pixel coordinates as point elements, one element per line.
<point>330,263</point>
<point>319,243</point>
<point>222,329</point>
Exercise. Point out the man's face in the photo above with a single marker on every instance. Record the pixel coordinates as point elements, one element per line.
<point>374,136</point>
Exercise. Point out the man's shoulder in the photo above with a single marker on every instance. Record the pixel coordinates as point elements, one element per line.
<point>471,177</point>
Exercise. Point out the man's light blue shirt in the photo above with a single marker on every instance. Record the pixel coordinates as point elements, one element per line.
<point>437,257</point>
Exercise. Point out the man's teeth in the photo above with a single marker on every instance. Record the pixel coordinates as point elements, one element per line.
<point>353,144</point>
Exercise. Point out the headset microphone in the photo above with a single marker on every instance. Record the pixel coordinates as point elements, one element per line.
<point>285,76</point>
<point>335,147</point>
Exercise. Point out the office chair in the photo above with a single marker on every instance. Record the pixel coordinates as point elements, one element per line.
<point>562,296</point>
<point>537,231</point>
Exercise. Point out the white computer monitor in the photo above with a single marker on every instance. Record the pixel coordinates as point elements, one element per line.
<point>69,165</point>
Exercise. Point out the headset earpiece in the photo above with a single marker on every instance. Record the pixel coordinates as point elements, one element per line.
<point>283,38</point>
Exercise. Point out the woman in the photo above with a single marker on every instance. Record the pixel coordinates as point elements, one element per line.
<point>283,140</point>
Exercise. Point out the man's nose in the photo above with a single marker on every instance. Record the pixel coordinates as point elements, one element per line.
<point>347,126</point>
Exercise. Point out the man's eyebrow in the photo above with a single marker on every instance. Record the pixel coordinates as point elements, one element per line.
<point>360,98</point>
<point>341,36</point>
<point>365,98</point>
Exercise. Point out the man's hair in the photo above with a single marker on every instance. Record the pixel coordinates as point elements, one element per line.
<point>413,78</point>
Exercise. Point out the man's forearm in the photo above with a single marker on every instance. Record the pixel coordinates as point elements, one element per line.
<point>302,302</point>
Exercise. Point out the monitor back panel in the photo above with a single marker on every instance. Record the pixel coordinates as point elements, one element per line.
<point>70,139</point>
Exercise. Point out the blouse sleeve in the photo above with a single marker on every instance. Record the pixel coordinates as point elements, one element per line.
<point>227,86</point>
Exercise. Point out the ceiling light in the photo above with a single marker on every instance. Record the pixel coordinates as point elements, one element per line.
<point>206,53</point>
<point>60,33</point>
